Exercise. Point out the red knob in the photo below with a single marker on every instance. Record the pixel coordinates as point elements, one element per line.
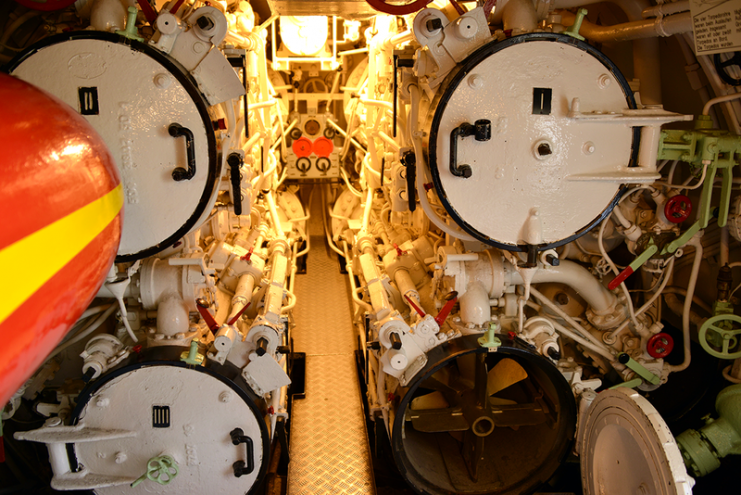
<point>660,345</point>
<point>678,208</point>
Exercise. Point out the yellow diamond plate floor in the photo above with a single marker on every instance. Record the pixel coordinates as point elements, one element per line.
<point>329,443</point>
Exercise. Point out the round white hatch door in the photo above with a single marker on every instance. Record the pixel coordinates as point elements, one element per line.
<point>154,120</point>
<point>189,414</point>
<point>626,448</point>
<point>507,160</point>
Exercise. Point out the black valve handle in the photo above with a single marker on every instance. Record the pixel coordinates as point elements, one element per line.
<point>180,174</point>
<point>235,163</point>
<point>720,67</point>
<point>242,467</point>
<point>481,130</point>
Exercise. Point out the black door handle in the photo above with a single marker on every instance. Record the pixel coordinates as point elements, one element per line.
<point>242,467</point>
<point>179,174</point>
<point>481,130</point>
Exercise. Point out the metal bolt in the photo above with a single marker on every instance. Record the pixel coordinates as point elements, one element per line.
<point>588,148</point>
<point>205,23</point>
<point>476,81</point>
<point>162,81</point>
<point>102,402</point>
<point>434,24</point>
<point>604,81</point>
<point>225,396</point>
<point>562,298</point>
<point>120,457</point>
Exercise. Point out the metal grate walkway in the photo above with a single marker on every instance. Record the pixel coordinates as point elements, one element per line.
<point>329,443</point>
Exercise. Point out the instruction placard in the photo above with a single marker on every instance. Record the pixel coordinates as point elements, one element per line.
<point>716,25</point>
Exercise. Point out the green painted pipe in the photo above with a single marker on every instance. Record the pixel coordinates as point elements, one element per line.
<point>702,449</point>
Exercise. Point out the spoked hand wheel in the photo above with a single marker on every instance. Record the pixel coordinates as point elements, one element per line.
<point>721,67</point>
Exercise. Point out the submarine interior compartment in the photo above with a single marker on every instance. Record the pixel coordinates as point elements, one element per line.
<point>357,247</point>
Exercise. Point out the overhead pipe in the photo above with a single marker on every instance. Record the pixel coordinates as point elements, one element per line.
<point>635,30</point>
<point>645,46</point>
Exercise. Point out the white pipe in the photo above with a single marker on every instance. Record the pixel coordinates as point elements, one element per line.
<point>353,288</point>
<point>406,287</point>
<point>635,30</point>
<point>577,338</point>
<point>274,215</point>
<point>663,9</point>
<point>719,99</point>
<point>367,211</point>
<point>475,306</point>
<point>587,334</point>
<point>645,51</point>
<point>421,192</point>
<point>667,275</point>
<point>577,277</point>
<point>84,333</point>
<point>242,295</point>
<point>695,241</point>
<point>516,15</point>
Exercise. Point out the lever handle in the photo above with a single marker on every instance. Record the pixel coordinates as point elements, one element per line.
<point>235,176</point>
<point>202,307</point>
<point>452,298</point>
<point>180,174</point>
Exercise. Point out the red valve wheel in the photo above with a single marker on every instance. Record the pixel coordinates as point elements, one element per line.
<point>403,9</point>
<point>660,345</point>
<point>678,208</point>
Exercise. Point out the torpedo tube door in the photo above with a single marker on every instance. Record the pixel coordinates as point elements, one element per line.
<point>627,449</point>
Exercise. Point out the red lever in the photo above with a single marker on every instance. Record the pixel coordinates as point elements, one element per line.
<point>443,314</point>
<point>615,282</point>
<point>416,308</point>
<point>176,7</point>
<point>399,251</point>
<point>202,307</point>
<point>236,317</point>
<point>149,11</point>
<point>247,256</point>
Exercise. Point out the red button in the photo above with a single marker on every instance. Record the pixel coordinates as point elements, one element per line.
<point>323,147</point>
<point>302,147</point>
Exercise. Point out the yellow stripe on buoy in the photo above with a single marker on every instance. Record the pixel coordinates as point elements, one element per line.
<point>30,262</point>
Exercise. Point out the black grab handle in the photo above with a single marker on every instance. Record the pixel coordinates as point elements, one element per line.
<point>235,163</point>
<point>481,130</point>
<point>179,174</point>
<point>240,467</point>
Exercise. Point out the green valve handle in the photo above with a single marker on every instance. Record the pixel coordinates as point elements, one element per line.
<point>635,265</point>
<point>192,356</point>
<point>573,31</point>
<point>130,31</point>
<point>629,384</point>
<point>639,369</point>
<point>728,337</point>
<point>162,469</point>
<point>490,339</point>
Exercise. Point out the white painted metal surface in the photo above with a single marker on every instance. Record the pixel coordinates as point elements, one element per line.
<point>627,448</point>
<point>202,412</point>
<point>515,194</point>
<point>138,99</point>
